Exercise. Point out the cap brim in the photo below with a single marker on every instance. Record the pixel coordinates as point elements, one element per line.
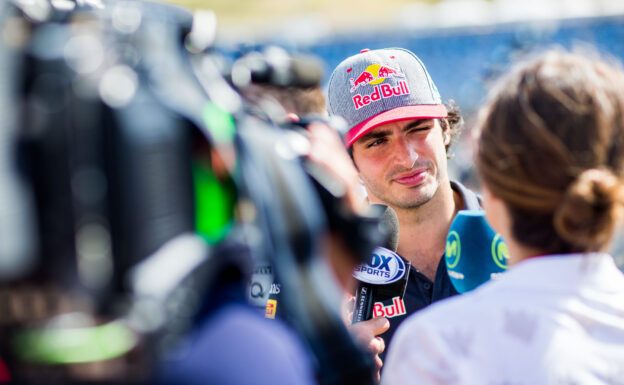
<point>423,111</point>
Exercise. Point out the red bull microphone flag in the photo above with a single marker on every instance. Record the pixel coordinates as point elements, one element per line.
<point>373,75</point>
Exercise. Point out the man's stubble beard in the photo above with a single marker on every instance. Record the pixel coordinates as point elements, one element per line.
<point>407,203</point>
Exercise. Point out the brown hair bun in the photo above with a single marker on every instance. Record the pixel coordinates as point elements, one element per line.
<point>589,209</point>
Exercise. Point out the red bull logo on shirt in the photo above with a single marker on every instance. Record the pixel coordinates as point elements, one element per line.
<point>375,74</point>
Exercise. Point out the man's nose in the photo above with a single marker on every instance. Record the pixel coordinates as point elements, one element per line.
<point>405,153</point>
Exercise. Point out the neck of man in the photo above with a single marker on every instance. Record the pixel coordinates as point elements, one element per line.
<point>423,230</point>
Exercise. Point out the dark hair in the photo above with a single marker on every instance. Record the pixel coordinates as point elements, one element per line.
<point>551,146</point>
<point>454,122</point>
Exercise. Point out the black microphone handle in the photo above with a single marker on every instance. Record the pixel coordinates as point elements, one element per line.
<point>364,298</point>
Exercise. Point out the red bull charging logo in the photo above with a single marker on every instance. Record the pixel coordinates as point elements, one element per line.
<point>375,74</point>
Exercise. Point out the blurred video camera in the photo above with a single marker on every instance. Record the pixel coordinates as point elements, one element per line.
<point>134,172</point>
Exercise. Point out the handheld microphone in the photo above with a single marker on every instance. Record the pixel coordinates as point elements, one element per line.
<point>383,277</point>
<point>391,222</point>
<point>475,253</point>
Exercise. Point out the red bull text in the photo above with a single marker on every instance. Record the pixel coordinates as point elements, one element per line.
<point>374,75</point>
<point>396,309</point>
<point>382,91</point>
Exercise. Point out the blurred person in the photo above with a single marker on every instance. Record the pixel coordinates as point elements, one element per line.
<point>229,333</point>
<point>551,160</point>
<point>305,107</point>
<point>232,343</point>
<point>399,136</point>
<point>300,107</point>
<point>297,102</point>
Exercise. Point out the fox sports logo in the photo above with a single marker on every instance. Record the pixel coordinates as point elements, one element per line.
<point>384,267</point>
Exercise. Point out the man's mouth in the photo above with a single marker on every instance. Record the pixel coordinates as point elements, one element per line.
<point>411,178</point>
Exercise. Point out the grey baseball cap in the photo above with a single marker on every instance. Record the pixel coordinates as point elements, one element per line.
<point>382,86</point>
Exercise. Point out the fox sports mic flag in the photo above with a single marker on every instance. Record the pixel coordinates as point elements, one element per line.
<point>474,253</point>
<point>384,277</point>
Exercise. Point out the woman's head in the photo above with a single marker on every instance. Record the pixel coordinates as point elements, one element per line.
<point>551,147</point>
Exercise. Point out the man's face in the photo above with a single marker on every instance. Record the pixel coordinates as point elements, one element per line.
<point>402,163</point>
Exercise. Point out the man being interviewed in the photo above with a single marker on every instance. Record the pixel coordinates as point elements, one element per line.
<point>398,138</point>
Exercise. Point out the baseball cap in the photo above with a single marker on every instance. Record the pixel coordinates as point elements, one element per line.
<point>382,86</point>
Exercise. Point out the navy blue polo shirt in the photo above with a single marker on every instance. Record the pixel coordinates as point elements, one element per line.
<point>420,291</point>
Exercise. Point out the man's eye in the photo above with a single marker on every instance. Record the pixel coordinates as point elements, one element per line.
<point>375,142</point>
<point>419,129</point>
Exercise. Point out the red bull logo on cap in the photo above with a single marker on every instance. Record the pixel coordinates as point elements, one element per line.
<point>376,74</point>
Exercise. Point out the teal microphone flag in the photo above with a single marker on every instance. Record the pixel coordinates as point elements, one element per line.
<point>475,253</point>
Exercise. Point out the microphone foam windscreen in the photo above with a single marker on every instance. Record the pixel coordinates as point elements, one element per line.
<point>389,224</point>
<point>391,220</point>
<point>474,253</point>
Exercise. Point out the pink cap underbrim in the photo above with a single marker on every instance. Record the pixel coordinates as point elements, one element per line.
<point>423,111</point>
